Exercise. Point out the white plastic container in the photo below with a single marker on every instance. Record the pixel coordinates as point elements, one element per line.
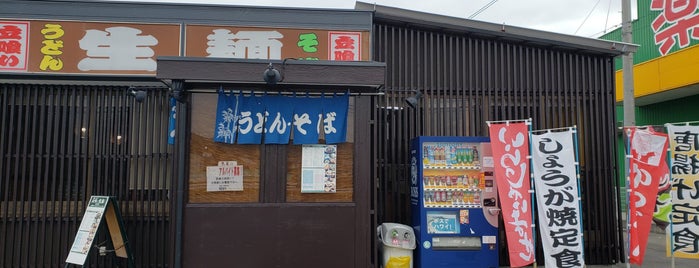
<point>397,245</point>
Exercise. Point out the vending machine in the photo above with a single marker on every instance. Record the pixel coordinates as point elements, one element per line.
<point>454,202</point>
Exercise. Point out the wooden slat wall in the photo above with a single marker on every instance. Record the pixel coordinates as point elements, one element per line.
<point>59,146</point>
<point>468,80</point>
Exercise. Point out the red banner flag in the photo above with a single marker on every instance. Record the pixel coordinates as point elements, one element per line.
<point>647,167</point>
<point>510,145</point>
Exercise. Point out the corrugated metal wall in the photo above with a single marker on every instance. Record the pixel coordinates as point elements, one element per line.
<point>62,144</point>
<point>644,36</point>
<point>673,111</point>
<point>467,81</point>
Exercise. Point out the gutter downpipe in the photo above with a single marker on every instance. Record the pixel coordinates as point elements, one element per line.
<point>181,143</point>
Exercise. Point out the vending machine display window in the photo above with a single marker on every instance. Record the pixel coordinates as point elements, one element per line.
<point>454,202</point>
<point>443,222</point>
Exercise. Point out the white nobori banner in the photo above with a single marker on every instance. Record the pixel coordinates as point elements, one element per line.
<point>556,184</point>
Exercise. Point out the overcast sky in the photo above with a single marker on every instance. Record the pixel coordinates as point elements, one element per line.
<point>588,18</point>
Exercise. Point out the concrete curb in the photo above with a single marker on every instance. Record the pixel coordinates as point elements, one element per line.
<point>655,229</point>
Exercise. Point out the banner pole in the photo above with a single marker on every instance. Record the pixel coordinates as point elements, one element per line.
<point>672,232</point>
<point>672,240</point>
<point>577,175</point>
<point>628,198</point>
<point>528,121</point>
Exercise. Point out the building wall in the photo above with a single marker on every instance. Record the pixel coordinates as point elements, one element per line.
<point>61,144</point>
<point>53,166</point>
<point>667,56</point>
<point>664,78</point>
<point>644,35</point>
<point>467,80</point>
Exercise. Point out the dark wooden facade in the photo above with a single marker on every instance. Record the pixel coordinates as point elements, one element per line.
<point>60,146</point>
<point>469,72</point>
<point>275,226</point>
<point>472,72</point>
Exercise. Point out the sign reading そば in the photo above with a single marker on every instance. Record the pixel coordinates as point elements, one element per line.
<point>275,43</point>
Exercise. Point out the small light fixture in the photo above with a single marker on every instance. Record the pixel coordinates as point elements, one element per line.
<point>83,133</point>
<point>140,95</point>
<point>271,75</point>
<point>414,101</point>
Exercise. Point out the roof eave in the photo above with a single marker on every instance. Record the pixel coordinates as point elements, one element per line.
<point>501,31</point>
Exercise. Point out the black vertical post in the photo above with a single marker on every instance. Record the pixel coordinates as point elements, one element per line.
<point>178,92</point>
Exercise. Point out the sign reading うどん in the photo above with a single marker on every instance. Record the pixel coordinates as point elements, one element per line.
<point>272,119</point>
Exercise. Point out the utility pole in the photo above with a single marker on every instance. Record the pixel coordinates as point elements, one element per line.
<point>627,65</point>
<point>629,101</point>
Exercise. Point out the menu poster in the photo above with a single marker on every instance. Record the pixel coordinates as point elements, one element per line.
<point>88,229</point>
<point>227,176</point>
<point>319,169</point>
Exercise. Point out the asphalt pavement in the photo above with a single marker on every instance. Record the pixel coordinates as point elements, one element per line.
<point>655,255</point>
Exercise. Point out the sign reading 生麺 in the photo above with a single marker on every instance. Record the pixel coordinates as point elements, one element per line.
<point>80,47</point>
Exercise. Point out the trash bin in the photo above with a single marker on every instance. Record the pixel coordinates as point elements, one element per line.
<point>397,244</point>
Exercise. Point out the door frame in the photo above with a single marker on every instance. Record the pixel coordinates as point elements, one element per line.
<point>186,76</point>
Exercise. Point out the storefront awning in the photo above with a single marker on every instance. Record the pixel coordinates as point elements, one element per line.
<point>294,75</point>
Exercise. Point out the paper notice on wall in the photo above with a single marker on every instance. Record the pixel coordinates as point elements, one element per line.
<point>227,176</point>
<point>318,169</point>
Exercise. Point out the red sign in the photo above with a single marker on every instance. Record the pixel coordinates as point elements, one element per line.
<point>345,46</point>
<point>674,23</point>
<point>647,167</point>
<point>510,144</point>
<point>14,37</point>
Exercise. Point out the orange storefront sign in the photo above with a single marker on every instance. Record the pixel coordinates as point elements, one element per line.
<point>76,47</point>
<point>271,43</point>
<point>94,47</point>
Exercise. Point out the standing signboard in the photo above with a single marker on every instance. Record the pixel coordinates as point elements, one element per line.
<point>100,207</point>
